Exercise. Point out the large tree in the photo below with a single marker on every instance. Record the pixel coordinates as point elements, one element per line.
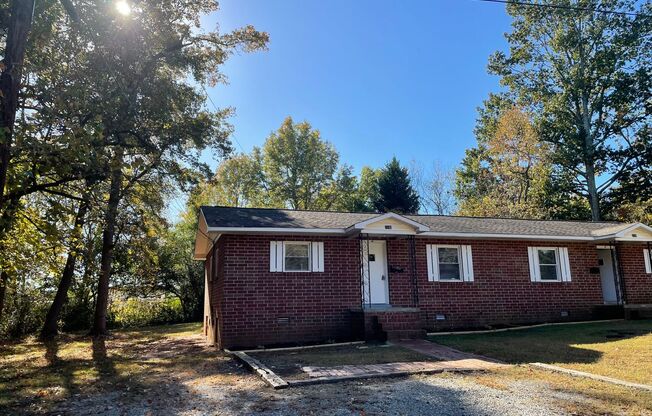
<point>17,23</point>
<point>298,165</point>
<point>509,173</point>
<point>238,182</point>
<point>133,85</point>
<point>588,76</point>
<point>394,190</point>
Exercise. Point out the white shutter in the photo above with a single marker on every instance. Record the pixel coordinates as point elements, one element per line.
<point>564,264</point>
<point>275,256</point>
<point>534,264</point>
<point>648,261</point>
<point>317,259</point>
<point>433,262</point>
<point>467,263</point>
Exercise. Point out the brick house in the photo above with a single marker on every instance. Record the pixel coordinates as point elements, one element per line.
<point>278,276</point>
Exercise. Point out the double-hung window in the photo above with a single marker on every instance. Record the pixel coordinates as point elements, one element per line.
<point>296,256</point>
<point>449,263</point>
<point>549,264</point>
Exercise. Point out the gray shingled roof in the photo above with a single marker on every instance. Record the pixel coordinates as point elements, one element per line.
<point>285,218</point>
<point>282,218</point>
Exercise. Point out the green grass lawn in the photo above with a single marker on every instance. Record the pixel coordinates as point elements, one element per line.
<point>620,349</point>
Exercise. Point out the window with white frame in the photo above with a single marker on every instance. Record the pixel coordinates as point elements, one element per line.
<point>296,256</point>
<point>549,264</point>
<point>548,259</point>
<point>449,263</point>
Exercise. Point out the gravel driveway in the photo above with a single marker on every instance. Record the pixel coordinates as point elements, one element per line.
<point>221,386</point>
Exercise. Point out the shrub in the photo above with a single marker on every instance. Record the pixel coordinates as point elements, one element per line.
<point>141,312</point>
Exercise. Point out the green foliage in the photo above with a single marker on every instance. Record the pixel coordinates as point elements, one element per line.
<point>298,165</point>
<point>394,190</point>
<point>295,168</point>
<point>178,273</point>
<point>509,174</point>
<point>238,182</point>
<point>119,94</point>
<point>586,76</point>
<point>135,312</point>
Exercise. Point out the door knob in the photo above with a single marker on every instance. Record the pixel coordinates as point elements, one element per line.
<point>383,277</point>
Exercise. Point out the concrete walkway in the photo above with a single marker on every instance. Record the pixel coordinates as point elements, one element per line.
<point>441,352</point>
<point>451,360</point>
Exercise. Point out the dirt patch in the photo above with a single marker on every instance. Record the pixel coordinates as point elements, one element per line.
<point>170,371</point>
<point>288,364</point>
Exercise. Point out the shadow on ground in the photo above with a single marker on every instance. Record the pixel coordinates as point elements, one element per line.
<point>552,344</point>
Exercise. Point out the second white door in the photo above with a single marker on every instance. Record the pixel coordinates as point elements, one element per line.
<point>378,284</point>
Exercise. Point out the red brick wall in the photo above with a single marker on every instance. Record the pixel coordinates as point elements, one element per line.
<point>318,305</point>
<point>502,292</point>
<point>251,300</point>
<point>638,284</point>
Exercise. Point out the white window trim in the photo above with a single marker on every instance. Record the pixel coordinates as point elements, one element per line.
<point>464,258</point>
<point>648,261</point>
<point>562,264</point>
<point>315,256</point>
<point>298,243</point>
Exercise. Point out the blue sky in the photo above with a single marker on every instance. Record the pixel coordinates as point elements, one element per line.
<point>377,78</point>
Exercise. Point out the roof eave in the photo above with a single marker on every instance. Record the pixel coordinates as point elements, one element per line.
<point>474,236</point>
<point>276,230</point>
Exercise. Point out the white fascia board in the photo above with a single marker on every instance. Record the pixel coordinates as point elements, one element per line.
<point>504,236</point>
<point>361,225</point>
<point>387,232</point>
<point>634,240</point>
<point>275,230</point>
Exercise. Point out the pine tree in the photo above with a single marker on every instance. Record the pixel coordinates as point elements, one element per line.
<point>395,192</point>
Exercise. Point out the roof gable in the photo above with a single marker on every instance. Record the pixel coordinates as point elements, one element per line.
<point>390,223</point>
<point>631,232</point>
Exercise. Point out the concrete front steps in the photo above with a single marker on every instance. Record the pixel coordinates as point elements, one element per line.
<point>394,323</point>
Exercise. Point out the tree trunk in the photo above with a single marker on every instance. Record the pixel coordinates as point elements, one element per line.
<point>589,156</point>
<point>20,23</point>
<point>108,244</point>
<point>4,282</point>
<point>49,330</point>
<point>592,189</point>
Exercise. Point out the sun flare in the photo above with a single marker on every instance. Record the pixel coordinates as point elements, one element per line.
<point>123,8</point>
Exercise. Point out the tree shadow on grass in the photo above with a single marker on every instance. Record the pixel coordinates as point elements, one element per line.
<point>104,365</point>
<point>552,344</point>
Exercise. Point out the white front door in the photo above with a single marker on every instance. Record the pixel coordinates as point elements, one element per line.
<point>376,288</point>
<point>607,276</point>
